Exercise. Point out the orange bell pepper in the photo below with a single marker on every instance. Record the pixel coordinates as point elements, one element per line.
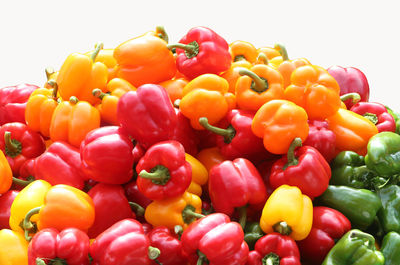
<point>181,210</point>
<point>210,157</point>
<point>174,87</point>
<point>106,56</point>
<point>232,74</point>
<point>40,108</point>
<point>199,175</point>
<point>5,174</point>
<point>79,75</point>
<point>72,120</point>
<point>269,52</point>
<point>278,122</point>
<point>352,131</point>
<point>243,50</point>
<point>314,89</point>
<point>13,248</point>
<point>257,86</point>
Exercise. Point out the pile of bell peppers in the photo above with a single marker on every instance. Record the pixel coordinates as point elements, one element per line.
<point>196,152</point>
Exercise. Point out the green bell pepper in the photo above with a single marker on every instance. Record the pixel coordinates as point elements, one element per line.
<point>359,205</point>
<point>383,155</point>
<point>396,117</point>
<point>355,247</point>
<point>252,233</point>
<point>389,214</point>
<point>391,248</point>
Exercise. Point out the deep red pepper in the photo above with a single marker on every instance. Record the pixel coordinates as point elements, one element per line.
<point>6,199</point>
<point>328,226</point>
<point>264,169</point>
<point>185,134</point>
<point>169,245</point>
<point>49,246</point>
<point>133,194</point>
<point>124,243</point>
<point>137,152</point>
<point>321,138</point>
<point>19,143</point>
<point>205,241</point>
<point>163,171</point>
<point>377,114</point>
<point>350,80</point>
<point>13,102</point>
<point>202,51</point>
<point>277,248</point>
<point>60,164</point>
<point>236,184</point>
<point>111,206</point>
<point>106,155</point>
<point>304,168</point>
<point>147,114</point>
<point>26,174</point>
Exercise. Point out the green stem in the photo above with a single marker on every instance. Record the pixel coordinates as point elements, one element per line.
<point>178,230</point>
<point>139,210</point>
<point>371,116</point>
<point>239,58</point>
<point>153,253</point>
<point>282,228</point>
<point>97,49</point>
<point>271,259</point>
<point>189,214</point>
<point>259,85</point>
<point>176,103</point>
<point>228,133</point>
<point>21,182</point>
<point>98,93</point>
<point>202,258</point>
<point>370,240</point>
<point>191,49</point>
<point>291,157</point>
<point>73,100</point>
<point>242,216</point>
<point>158,175</point>
<point>12,147</point>
<point>262,58</point>
<point>282,50</point>
<point>162,34</point>
<point>54,85</point>
<point>49,71</point>
<point>355,97</point>
<point>27,224</point>
<point>40,261</point>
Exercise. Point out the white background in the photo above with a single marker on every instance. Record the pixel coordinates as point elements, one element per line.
<point>363,34</point>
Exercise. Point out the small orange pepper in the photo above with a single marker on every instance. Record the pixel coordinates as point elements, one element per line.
<point>174,87</point>
<point>278,122</point>
<point>243,50</point>
<point>232,74</point>
<point>210,157</point>
<point>199,175</point>
<point>5,174</point>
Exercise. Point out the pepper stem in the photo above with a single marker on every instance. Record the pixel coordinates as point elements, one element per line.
<point>291,157</point>
<point>202,258</point>
<point>227,133</point>
<point>158,175</point>
<point>239,57</point>
<point>189,214</point>
<point>49,71</point>
<point>98,93</point>
<point>40,261</point>
<point>242,216</point>
<point>176,103</point>
<point>191,49</point>
<point>12,147</point>
<point>73,100</point>
<point>97,47</point>
<point>259,85</point>
<point>21,182</point>
<point>355,97</point>
<point>262,58</point>
<point>371,116</point>
<point>369,239</point>
<point>282,50</point>
<point>282,228</point>
<point>139,210</point>
<point>54,85</point>
<point>27,224</point>
<point>271,259</point>
<point>153,253</point>
<point>162,34</point>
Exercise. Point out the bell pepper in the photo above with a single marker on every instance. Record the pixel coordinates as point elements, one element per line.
<point>133,194</point>
<point>232,74</point>
<point>360,206</point>
<point>49,246</point>
<point>243,50</point>
<point>80,74</point>
<point>314,89</point>
<point>180,210</point>
<point>252,233</point>
<point>6,175</point>
<point>390,248</point>
<point>19,143</point>
<point>199,175</point>
<point>60,164</point>
<point>40,107</point>
<point>377,114</point>
<point>163,171</point>
<point>106,56</point>
<point>13,248</point>
<point>329,225</point>
<point>147,114</point>
<point>174,87</point>
<point>204,241</point>
<point>321,138</point>
<point>168,244</point>
<point>13,101</point>
<point>288,212</point>
<point>185,134</point>
<point>396,117</point>
<point>114,166</point>
<point>269,52</point>
<point>304,168</point>
<point>210,157</point>
<point>236,185</point>
<point>257,86</point>
<point>201,51</point>
<point>389,214</point>
<point>124,243</point>
<point>274,249</point>
<point>355,247</point>
<point>350,79</point>
<point>352,131</point>
<point>6,199</point>
<point>72,120</point>
<point>278,122</point>
<point>383,153</point>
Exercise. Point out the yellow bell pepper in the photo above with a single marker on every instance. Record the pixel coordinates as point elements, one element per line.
<point>5,174</point>
<point>199,175</point>
<point>13,248</point>
<point>289,212</point>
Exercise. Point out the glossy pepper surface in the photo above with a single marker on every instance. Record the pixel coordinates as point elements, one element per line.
<point>199,175</point>
<point>6,200</point>
<point>6,174</point>
<point>185,134</point>
<point>243,50</point>
<point>378,115</point>
<point>14,248</point>
<point>321,138</point>
<point>389,214</point>
<point>390,247</point>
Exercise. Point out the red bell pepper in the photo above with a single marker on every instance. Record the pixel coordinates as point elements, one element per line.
<point>304,168</point>
<point>19,143</point>
<point>321,138</point>
<point>133,194</point>
<point>185,134</point>
<point>163,171</point>
<point>274,249</point>
<point>329,225</point>
<point>169,245</point>
<point>350,80</point>
<point>6,199</point>
<point>124,243</point>
<point>236,184</point>
<point>60,164</point>
<point>202,51</point>
<point>137,152</point>
<point>205,241</point>
<point>13,101</point>
<point>26,174</point>
<point>106,155</point>
<point>377,114</point>
<point>147,114</point>
<point>110,205</point>
<point>49,246</point>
